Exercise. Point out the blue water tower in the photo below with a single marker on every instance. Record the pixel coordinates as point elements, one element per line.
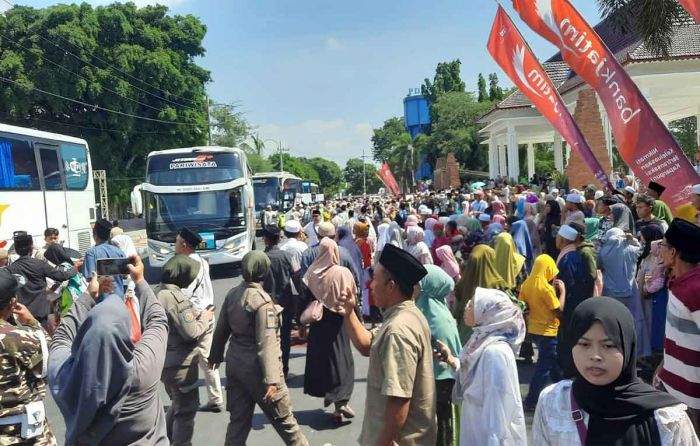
<point>416,114</point>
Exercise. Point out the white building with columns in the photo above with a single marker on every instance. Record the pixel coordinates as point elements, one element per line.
<point>670,83</point>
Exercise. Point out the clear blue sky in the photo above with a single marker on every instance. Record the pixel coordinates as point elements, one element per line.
<point>319,75</point>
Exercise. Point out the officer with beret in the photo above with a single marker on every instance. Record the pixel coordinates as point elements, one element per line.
<point>400,405</point>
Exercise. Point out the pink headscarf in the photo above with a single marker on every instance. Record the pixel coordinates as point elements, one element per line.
<point>411,220</point>
<point>330,283</point>
<point>499,219</point>
<point>448,262</point>
<point>498,208</point>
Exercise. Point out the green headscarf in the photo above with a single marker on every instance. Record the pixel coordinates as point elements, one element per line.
<point>473,225</point>
<point>591,228</point>
<point>479,270</point>
<point>662,211</point>
<point>180,270</point>
<point>255,266</point>
<point>434,288</point>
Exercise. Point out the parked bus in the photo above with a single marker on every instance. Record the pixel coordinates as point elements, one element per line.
<point>208,190</point>
<point>277,189</point>
<point>310,193</point>
<point>45,181</point>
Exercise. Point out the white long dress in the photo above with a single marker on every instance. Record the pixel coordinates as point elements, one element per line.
<point>492,408</point>
<point>553,424</point>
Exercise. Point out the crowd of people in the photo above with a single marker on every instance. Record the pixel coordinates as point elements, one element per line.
<point>444,291</point>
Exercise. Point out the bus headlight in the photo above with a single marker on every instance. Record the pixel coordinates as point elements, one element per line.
<point>164,251</point>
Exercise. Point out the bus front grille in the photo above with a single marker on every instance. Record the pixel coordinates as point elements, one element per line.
<point>84,241</point>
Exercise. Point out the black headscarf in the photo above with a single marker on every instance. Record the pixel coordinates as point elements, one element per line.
<point>554,215</point>
<point>57,255</point>
<point>650,233</point>
<point>621,413</point>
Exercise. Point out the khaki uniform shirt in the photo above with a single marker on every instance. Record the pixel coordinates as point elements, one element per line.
<point>401,365</point>
<point>185,326</point>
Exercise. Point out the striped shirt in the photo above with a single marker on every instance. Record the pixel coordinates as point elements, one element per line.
<point>681,369</point>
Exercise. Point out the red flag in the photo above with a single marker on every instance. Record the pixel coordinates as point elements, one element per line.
<point>693,7</point>
<point>515,57</point>
<point>388,179</point>
<point>642,139</point>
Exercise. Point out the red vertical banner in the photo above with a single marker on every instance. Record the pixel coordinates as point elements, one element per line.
<point>642,139</point>
<point>693,7</point>
<point>388,179</point>
<point>508,47</point>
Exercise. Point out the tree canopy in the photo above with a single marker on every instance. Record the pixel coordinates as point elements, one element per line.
<point>353,175</point>
<point>447,79</point>
<point>106,58</point>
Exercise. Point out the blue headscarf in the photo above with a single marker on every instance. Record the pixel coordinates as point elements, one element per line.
<point>521,237</point>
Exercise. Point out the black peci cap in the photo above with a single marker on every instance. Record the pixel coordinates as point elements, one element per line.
<point>405,268</point>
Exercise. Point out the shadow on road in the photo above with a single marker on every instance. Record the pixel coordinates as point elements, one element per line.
<point>316,419</point>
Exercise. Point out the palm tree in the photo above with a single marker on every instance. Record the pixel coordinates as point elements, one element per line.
<point>256,148</point>
<point>403,159</point>
<point>652,20</point>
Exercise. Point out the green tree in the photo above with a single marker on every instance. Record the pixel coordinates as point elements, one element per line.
<point>383,138</point>
<point>255,145</point>
<point>404,160</point>
<point>685,131</point>
<point>329,174</point>
<point>353,175</point>
<point>155,76</point>
<point>652,20</point>
<point>229,127</point>
<point>298,166</point>
<point>495,92</point>
<point>481,86</point>
<point>455,129</point>
<point>447,79</point>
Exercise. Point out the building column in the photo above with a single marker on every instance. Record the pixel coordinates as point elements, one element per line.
<point>513,154</point>
<point>493,156</point>
<point>502,161</point>
<point>558,154</point>
<point>530,161</point>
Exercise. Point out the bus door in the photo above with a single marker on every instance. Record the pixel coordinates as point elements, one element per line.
<point>55,203</point>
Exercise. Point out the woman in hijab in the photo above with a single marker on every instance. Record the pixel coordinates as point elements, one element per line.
<point>330,369</point>
<point>106,387</point>
<point>478,270</point>
<point>613,405</point>
<point>523,243</point>
<point>652,284</point>
<point>429,236</point>
<point>394,235</point>
<point>552,221</point>
<point>449,264</point>
<point>441,239</point>
<point>63,294</point>
<point>617,258</point>
<point>345,240</point>
<point>509,263</point>
<point>492,231</point>
<point>417,247</point>
<point>382,234</point>
<point>470,242</point>
<point>622,217</point>
<point>486,372</point>
<point>545,309</point>
<point>434,288</point>
<point>591,229</point>
<point>187,325</point>
<point>497,207</point>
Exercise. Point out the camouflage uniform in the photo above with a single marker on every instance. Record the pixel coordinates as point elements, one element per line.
<point>21,361</point>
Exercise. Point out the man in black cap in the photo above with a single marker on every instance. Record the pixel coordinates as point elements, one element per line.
<point>680,252</point>
<point>35,271</point>
<point>201,295</point>
<point>655,190</point>
<point>103,250</point>
<point>400,405</point>
<point>661,209</point>
<point>278,284</point>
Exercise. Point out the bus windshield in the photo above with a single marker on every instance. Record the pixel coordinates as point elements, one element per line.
<point>219,212</point>
<point>193,168</point>
<point>266,192</point>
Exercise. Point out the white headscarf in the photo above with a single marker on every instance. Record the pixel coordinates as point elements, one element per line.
<point>496,319</point>
<point>124,242</point>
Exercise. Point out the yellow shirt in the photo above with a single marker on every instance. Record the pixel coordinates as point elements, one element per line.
<point>401,365</point>
<point>541,319</point>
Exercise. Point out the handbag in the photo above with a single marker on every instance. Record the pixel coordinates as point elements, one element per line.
<point>312,313</point>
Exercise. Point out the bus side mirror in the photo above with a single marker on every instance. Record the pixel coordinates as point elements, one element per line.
<point>136,201</point>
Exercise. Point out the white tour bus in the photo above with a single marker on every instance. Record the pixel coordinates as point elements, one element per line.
<point>277,189</point>
<point>45,181</point>
<point>206,189</point>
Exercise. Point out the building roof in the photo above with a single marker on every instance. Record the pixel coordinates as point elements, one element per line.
<point>628,48</point>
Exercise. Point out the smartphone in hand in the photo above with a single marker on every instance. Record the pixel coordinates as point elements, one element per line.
<point>112,266</point>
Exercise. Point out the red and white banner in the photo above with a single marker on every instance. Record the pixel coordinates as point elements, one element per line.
<point>514,56</point>
<point>388,179</point>
<point>693,7</point>
<point>642,139</point>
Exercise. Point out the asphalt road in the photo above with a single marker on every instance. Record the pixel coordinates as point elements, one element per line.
<point>315,421</point>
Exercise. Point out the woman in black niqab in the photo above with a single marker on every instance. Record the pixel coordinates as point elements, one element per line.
<point>622,412</point>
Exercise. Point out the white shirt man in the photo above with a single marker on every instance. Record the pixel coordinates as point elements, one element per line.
<point>291,244</point>
<point>311,230</point>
